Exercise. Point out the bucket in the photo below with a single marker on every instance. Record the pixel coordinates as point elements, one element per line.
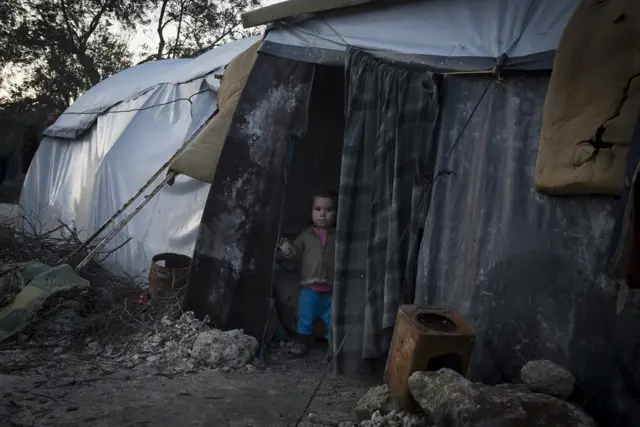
<point>168,274</point>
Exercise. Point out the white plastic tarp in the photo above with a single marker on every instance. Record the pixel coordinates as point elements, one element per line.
<point>84,181</point>
<point>444,28</point>
<point>134,81</point>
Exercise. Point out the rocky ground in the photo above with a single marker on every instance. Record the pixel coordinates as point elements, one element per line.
<point>72,389</point>
<point>104,356</point>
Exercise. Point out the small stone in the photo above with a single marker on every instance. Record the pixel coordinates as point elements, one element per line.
<point>152,359</point>
<point>378,399</point>
<point>94,347</point>
<point>58,350</point>
<point>547,377</point>
<point>108,350</point>
<point>250,369</point>
<point>226,370</point>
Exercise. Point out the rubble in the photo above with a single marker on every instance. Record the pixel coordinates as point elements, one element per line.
<point>187,344</point>
<point>545,376</point>
<point>377,399</point>
<point>392,419</point>
<point>454,401</point>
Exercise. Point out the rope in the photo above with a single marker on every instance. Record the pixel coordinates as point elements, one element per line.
<point>81,113</point>
<point>335,31</point>
<point>427,188</point>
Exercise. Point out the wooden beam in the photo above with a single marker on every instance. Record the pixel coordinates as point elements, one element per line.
<point>293,8</point>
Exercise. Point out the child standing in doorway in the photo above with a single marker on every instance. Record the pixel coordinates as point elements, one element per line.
<point>315,249</point>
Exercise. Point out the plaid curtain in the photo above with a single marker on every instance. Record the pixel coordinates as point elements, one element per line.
<point>389,152</point>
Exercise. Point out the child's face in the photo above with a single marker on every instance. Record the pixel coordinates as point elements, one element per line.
<point>323,213</point>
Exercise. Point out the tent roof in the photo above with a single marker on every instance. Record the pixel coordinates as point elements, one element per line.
<point>294,8</point>
<point>446,34</point>
<point>133,82</point>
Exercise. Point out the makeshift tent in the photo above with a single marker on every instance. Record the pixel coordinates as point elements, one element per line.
<point>112,139</point>
<point>525,269</point>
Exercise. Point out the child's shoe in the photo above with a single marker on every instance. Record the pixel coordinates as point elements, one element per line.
<point>300,347</point>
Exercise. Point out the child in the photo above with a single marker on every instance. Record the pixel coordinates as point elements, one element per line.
<point>315,248</point>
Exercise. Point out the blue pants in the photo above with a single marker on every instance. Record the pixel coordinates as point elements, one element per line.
<point>313,305</point>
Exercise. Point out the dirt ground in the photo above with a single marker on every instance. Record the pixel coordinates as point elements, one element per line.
<point>47,377</point>
<point>69,391</point>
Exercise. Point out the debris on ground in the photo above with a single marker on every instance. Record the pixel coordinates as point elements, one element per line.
<point>378,399</point>
<point>547,377</point>
<point>188,344</point>
<point>108,321</point>
<point>454,401</point>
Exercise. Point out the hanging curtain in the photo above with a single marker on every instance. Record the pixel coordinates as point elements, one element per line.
<point>388,154</point>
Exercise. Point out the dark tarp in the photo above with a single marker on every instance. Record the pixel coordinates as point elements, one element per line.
<point>389,147</point>
<point>625,241</point>
<point>526,270</point>
<point>232,271</point>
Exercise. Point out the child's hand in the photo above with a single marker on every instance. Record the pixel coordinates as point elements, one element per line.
<point>285,246</point>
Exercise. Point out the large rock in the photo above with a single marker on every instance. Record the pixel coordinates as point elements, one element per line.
<point>544,376</point>
<point>454,401</point>
<point>376,399</point>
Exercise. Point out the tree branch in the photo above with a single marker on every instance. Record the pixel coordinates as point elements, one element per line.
<point>177,43</point>
<point>161,26</point>
<point>214,43</point>
<point>67,22</point>
<point>95,21</point>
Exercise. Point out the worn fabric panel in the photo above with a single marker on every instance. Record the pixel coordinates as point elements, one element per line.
<point>388,145</point>
<point>526,270</point>
<point>625,239</point>
<point>200,159</point>
<point>232,271</point>
<point>594,95</point>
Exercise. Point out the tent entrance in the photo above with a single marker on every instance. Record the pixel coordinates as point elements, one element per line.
<point>314,165</point>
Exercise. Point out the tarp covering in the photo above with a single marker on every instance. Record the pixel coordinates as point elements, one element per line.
<point>200,158</point>
<point>232,271</point>
<point>526,270</point>
<point>625,239</point>
<point>442,33</point>
<point>42,282</point>
<point>83,182</point>
<point>389,149</point>
<point>594,84</point>
<point>130,83</point>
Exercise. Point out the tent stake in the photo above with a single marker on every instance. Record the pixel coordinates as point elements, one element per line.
<point>124,222</point>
